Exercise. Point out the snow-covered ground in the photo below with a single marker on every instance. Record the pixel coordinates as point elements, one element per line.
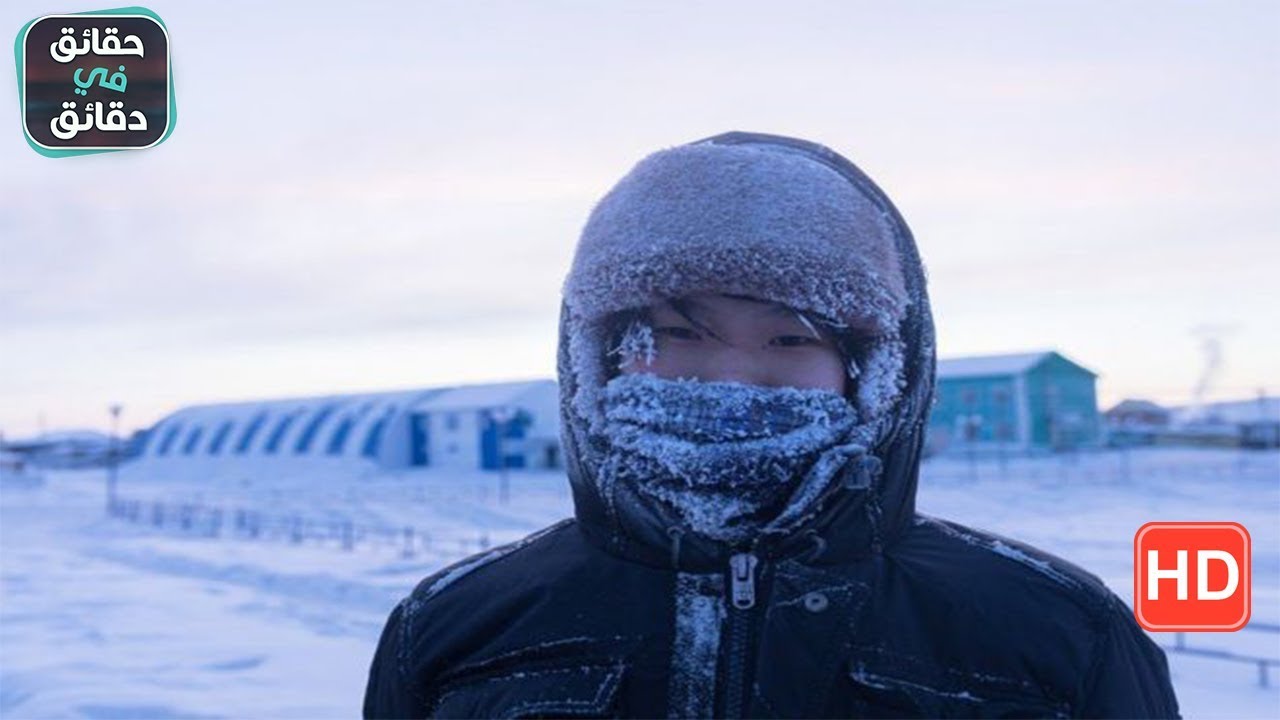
<point>272,608</point>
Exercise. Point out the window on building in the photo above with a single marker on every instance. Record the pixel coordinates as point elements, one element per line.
<point>339,438</point>
<point>169,437</point>
<point>192,438</point>
<point>220,437</point>
<point>309,432</point>
<point>373,440</point>
<point>277,435</point>
<point>451,421</point>
<point>250,431</point>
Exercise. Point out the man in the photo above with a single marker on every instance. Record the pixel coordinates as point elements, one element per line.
<point>746,367</point>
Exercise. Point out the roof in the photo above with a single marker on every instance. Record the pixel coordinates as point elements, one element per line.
<point>1259,409</point>
<point>489,395</point>
<point>1136,405</point>
<point>997,365</point>
<point>291,425</point>
<point>305,400</point>
<point>983,365</point>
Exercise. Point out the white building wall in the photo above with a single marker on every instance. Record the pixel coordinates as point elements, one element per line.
<point>454,444</point>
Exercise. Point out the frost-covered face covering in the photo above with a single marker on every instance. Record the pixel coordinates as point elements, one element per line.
<point>725,456</point>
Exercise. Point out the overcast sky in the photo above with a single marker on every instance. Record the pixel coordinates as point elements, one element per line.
<point>388,197</point>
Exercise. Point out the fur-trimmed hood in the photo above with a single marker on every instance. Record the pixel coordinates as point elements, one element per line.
<point>774,217</point>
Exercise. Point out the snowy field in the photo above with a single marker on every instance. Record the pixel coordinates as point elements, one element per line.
<point>230,598</point>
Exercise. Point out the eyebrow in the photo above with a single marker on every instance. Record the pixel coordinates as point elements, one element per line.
<point>682,306</point>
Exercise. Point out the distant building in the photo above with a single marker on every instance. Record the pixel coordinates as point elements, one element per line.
<point>474,427</point>
<point>63,449</point>
<point>1258,409</point>
<point>1134,413</point>
<point>1253,423</point>
<point>486,426</point>
<point>1236,423</point>
<point>1134,421</point>
<point>1024,401</point>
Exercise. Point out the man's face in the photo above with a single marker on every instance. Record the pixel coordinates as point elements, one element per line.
<point>721,338</point>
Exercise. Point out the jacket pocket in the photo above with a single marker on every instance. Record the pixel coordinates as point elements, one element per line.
<point>581,691</point>
<point>897,695</point>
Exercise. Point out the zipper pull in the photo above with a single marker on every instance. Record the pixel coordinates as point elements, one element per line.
<point>742,576</point>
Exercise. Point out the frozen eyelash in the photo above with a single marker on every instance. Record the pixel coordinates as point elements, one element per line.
<point>851,367</point>
<point>636,342</point>
<point>805,320</point>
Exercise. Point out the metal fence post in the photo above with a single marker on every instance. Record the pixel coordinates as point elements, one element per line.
<point>407,550</point>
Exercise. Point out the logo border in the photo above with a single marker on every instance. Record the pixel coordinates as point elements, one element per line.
<point>1247,574</point>
<point>20,52</point>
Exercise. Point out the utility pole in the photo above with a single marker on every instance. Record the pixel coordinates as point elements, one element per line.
<point>113,456</point>
<point>501,416</point>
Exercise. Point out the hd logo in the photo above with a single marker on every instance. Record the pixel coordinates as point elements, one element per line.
<point>1191,576</point>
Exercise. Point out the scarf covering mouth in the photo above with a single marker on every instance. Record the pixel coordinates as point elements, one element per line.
<point>726,457</point>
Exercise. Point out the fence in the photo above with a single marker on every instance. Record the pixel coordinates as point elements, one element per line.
<point>1110,466</point>
<point>1264,664</point>
<point>213,521</point>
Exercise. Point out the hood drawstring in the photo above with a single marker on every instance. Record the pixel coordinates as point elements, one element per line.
<point>864,473</point>
<point>819,546</point>
<point>676,534</point>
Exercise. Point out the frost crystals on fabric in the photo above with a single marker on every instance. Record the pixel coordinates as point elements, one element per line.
<point>725,455</point>
<point>699,615</point>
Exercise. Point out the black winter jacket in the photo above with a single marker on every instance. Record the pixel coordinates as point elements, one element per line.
<point>869,610</point>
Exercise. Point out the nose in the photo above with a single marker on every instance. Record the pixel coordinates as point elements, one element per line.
<point>732,364</point>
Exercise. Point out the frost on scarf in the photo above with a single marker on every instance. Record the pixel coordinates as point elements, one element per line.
<point>727,457</point>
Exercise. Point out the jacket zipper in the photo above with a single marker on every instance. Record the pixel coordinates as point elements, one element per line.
<point>742,598</point>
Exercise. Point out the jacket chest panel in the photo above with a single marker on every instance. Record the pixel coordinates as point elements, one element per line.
<point>882,683</point>
<point>804,638</point>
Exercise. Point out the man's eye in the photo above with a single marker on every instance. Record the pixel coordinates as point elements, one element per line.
<point>795,340</point>
<point>680,333</point>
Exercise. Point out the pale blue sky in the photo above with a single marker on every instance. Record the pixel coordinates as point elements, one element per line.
<point>1099,178</point>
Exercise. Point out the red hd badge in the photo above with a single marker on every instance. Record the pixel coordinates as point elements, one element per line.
<point>1191,576</point>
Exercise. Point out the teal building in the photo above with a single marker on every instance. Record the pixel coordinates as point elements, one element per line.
<point>1023,401</point>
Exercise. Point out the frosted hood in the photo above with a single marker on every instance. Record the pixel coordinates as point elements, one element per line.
<point>816,235</point>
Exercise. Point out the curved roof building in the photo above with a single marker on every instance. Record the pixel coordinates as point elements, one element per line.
<point>477,426</point>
